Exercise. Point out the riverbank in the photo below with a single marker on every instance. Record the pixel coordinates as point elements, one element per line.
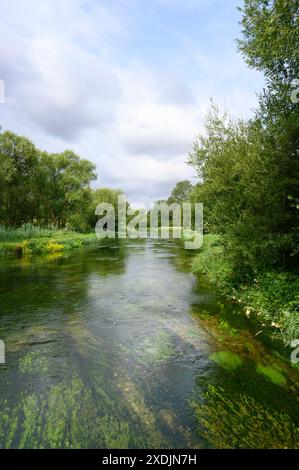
<point>30,240</point>
<point>272,296</point>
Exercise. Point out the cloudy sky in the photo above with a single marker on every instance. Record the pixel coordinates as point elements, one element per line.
<point>124,83</point>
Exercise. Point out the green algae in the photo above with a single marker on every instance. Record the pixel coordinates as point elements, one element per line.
<point>226,359</point>
<point>66,416</point>
<point>272,374</point>
<point>33,362</point>
<point>158,348</point>
<point>225,326</point>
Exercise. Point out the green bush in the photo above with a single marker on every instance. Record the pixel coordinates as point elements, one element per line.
<point>273,296</point>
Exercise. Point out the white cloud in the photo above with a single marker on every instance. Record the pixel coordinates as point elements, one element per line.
<point>69,83</point>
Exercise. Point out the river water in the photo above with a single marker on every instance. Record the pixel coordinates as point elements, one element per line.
<point>119,345</point>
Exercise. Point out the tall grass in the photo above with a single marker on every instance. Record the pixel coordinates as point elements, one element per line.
<point>26,232</point>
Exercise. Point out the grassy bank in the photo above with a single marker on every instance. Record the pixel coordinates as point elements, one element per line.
<point>30,240</point>
<point>272,296</point>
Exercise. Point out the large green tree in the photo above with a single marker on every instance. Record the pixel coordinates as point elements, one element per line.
<point>180,193</point>
<point>37,187</point>
<point>270,43</point>
<point>18,160</point>
<point>249,172</point>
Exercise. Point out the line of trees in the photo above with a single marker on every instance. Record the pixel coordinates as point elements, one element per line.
<point>249,170</point>
<point>47,189</point>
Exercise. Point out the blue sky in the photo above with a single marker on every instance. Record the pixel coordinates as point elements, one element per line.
<point>124,83</point>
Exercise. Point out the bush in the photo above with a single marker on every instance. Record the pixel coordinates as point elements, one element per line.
<point>273,296</point>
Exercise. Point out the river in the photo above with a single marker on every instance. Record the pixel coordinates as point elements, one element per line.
<point>120,345</point>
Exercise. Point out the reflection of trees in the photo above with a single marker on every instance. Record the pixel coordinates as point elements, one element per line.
<point>109,257</point>
<point>40,284</point>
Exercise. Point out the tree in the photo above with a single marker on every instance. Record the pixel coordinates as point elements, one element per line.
<point>270,44</point>
<point>18,160</point>
<point>180,192</point>
<point>249,171</point>
<point>270,41</point>
<point>103,195</point>
<point>37,187</point>
<point>69,179</point>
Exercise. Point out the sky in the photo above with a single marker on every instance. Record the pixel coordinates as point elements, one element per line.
<point>123,83</point>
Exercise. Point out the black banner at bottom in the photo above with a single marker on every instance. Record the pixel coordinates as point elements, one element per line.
<point>135,459</point>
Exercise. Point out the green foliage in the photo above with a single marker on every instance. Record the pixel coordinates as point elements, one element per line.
<point>249,176</point>
<point>238,421</point>
<point>26,232</point>
<point>272,296</point>
<point>270,43</point>
<point>180,192</point>
<point>270,40</point>
<point>42,241</point>
<point>211,261</point>
<point>41,188</point>
<point>275,297</point>
<point>244,194</point>
<point>33,362</point>
<point>99,196</point>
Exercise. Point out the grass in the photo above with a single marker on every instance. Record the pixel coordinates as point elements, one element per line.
<point>25,232</point>
<point>272,296</point>
<point>31,240</point>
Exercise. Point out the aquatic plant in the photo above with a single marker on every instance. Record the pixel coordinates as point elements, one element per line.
<point>66,416</point>
<point>226,359</point>
<point>33,362</point>
<point>227,420</point>
<point>271,374</point>
<point>158,348</point>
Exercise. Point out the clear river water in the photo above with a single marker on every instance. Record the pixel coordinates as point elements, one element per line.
<point>119,345</point>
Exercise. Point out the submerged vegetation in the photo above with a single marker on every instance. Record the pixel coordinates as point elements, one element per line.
<point>238,421</point>
<point>94,359</point>
<point>226,359</point>
<point>65,417</point>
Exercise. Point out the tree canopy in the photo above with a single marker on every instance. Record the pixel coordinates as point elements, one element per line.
<point>249,170</point>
